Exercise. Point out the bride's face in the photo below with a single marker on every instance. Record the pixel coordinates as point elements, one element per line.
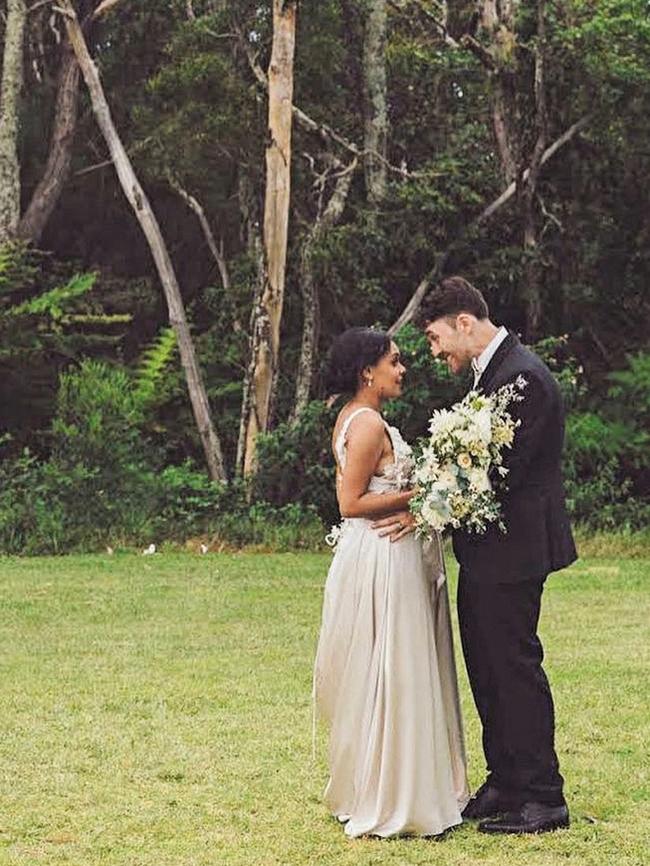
<point>387,374</point>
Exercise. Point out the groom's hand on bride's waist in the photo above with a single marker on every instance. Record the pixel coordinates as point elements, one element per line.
<point>396,525</point>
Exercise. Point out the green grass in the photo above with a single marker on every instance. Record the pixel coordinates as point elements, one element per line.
<point>157,711</point>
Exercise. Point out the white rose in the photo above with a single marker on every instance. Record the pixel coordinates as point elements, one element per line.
<point>478,479</point>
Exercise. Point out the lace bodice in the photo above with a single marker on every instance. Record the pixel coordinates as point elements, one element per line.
<point>396,475</point>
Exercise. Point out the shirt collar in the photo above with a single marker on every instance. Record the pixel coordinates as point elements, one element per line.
<point>479,365</point>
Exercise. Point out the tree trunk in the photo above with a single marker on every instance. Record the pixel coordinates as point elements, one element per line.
<point>267,314</point>
<point>310,295</point>
<point>12,82</point>
<point>376,107</point>
<point>528,195</point>
<point>142,209</point>
<point>55,174</point>
<point>497,23</point>
<point>511,117</point>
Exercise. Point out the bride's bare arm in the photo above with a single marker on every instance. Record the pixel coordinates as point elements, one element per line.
<point>365,442</point>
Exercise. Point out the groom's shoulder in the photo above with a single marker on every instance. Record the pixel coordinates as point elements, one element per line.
<point>524,361</point>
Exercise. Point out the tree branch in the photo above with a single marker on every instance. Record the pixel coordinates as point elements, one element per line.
<point>322,130</point>
<point>104,8</point>
<point>215,249</point>
<point>143,212</point>
<point>479,51</point>
<point>409,311</point>
<point>441,26</point>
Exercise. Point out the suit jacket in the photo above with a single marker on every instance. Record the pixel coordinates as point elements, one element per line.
<point>538,538</point>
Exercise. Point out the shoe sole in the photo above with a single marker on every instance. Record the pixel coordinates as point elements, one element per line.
<point>495,832</point>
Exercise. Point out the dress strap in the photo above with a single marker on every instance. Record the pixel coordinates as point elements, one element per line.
<point>340,439</point>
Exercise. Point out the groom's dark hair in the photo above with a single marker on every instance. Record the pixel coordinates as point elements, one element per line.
<point>452,295</point>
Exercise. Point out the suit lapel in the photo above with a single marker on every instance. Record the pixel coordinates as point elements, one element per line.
<point>510,342</point>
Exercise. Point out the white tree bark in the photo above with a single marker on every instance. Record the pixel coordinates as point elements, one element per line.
<point>376,102</point>
<point>10,89</point>
<point>147,219</point>
<point>267,314</point>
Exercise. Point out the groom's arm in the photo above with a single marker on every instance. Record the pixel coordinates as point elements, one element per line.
<point>533,413</point>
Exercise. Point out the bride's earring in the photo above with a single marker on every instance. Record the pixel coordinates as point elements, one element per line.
<point>369,382</point>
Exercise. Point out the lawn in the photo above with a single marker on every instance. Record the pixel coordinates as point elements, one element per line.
<point>155,711</point>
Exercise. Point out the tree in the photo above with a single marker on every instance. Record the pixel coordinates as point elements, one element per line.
<point>519,121</point>
<point>326,218</point>
<point>267,309</point>
<point>149,225</point>
<point>12,82</point>
<point>376,100</point>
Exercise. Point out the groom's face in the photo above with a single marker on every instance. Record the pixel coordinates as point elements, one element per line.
<point>450,341</point>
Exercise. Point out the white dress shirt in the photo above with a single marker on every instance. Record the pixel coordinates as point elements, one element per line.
<point>479,364</point>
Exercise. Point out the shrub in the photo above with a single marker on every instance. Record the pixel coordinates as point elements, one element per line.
<point>290,527</point>
<point>296,465</point>
<point>606,456</point>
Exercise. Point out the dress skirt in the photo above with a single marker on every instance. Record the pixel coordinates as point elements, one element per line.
<point>385,681</point>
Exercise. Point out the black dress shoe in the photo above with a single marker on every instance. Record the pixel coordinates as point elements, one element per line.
<point>486,803</point>
<point>530,818</point>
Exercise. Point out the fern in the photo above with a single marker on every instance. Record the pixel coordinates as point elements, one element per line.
<point>18,270</point>
<point>153,363</point>
<point>51,303</point>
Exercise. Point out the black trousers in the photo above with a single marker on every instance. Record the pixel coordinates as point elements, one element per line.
<point>503,655</point>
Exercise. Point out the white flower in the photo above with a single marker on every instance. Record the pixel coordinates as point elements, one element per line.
<point>482,422</point>
<point>465,443</point>
<point>503,434</point>
<point>432,516</point>
<point>446,480</point>
<point>464,460</point>
<point>479,480</point>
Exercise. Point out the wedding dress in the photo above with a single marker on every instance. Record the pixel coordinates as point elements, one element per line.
<point>385,676</point>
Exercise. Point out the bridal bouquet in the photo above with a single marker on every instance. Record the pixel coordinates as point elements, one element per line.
<point>466,445</point>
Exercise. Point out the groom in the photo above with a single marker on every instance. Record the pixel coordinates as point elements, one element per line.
<point>502,575</point>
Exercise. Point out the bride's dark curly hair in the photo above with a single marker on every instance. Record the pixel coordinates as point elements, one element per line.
<point>351,352</point>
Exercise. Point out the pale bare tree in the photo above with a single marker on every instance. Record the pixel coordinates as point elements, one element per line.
<point>267,311</point>
<point>10,90</point>
<point>376,100</point>
<point>150,228</point>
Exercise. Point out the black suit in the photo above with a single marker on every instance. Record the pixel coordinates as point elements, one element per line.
<point>501,582</point>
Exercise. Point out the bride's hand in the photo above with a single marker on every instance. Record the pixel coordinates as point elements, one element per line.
<point>396,525</point>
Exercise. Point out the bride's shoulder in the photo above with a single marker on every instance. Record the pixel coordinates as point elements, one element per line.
<point>359,421</point>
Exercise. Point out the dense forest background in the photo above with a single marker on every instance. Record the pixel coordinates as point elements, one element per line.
<point>506,141</point>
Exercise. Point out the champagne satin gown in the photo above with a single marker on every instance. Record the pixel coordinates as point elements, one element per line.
<point>385,677</point>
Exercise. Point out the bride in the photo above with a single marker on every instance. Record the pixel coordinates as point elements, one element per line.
<point>384,676</point>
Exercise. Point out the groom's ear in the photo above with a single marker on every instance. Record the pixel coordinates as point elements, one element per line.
<point>465,323</point>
